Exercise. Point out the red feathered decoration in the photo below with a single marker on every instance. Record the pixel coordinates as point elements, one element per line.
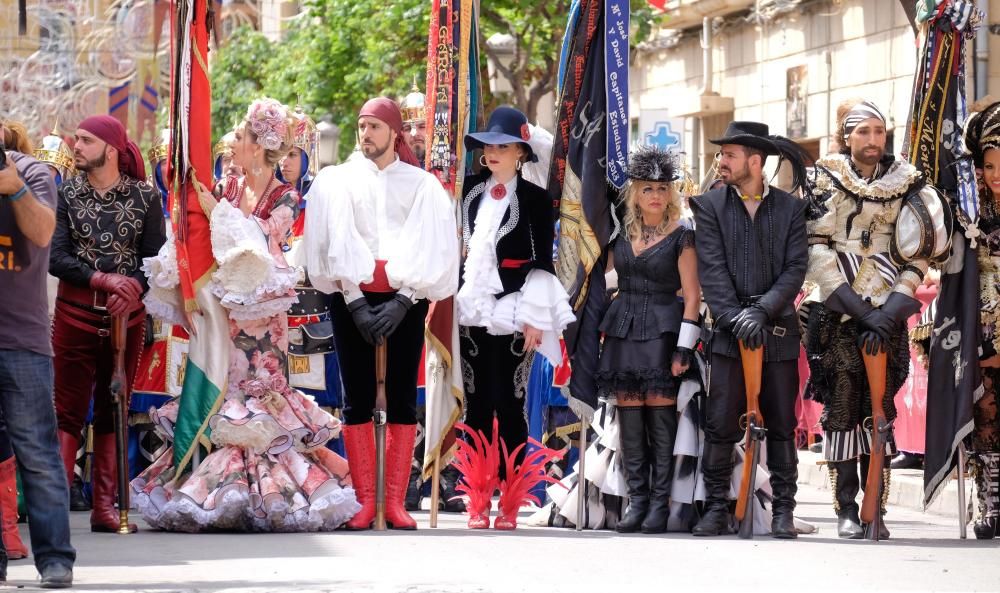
<point>479,463</point>
<point>516,488</point>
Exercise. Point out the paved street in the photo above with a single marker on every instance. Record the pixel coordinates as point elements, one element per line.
<point>924,554</point>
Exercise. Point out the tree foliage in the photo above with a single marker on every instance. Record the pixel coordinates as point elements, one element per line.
<point>339,53</point>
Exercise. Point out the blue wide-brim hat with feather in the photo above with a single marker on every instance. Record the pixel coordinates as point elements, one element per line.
<point>506,126</point>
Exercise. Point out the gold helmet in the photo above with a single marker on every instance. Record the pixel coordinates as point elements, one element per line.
<point>306,138</point>
<point>55,152</point>
<point>222,148</point>
<point>160,150</point>
<point>412,105</point>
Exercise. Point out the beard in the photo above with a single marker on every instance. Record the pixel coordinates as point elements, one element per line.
<point>372,151</point>
<point>735,177</point>
<point>87,165</point>
<point>868,160</point>
<point>420,152</point>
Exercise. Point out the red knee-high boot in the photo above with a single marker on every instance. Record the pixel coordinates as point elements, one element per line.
<point>104,515</point>
<point>359,440</point>
<point>68,447</point>
<point>8,510</point>
<point>399,452</point>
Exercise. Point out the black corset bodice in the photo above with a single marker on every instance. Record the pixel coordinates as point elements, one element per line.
<point>647,305</point>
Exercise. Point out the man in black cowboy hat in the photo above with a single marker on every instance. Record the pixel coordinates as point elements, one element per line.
<point>752,255</point>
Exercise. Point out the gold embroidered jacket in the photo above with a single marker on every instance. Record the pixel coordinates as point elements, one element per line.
<point>878,237</point>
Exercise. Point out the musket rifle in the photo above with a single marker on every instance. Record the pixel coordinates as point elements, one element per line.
<point>120,393</point>
<point>871,504</point>
<point>753,422</point>
<point>379,414</point>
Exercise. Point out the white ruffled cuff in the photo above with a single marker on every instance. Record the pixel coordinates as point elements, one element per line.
<point>544,303</point>
<point>165,305</point>
<point>541,303</point>
<point>161,270</point>
<point>163,300</point>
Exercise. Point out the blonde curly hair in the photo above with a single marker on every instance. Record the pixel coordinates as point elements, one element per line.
<point>633,215</point>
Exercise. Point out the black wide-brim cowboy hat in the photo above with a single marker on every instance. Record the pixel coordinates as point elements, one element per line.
<point>748,133</point>
<point>506,126</point>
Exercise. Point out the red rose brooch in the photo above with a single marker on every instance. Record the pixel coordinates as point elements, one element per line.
<point>525,132</point>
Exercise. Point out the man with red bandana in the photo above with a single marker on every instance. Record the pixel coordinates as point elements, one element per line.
<point>108,219</point>
<point>380,235</point>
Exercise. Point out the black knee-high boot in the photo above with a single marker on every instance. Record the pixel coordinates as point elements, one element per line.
<point>783,463</point>
<point>632,433</point>
<point>661,427</point>
<point>987,474</point>
<point>845,483</point>
<point>883,532</point>
<point>717,470</point>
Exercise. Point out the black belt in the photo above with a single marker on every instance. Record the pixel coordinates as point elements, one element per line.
<point>311,302</point>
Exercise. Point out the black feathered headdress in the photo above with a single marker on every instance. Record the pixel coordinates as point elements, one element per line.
<point>650,163</point>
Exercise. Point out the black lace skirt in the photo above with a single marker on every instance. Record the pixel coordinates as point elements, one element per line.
<point>634,370</point>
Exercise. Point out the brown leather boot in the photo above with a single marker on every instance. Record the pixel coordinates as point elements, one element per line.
<point>104,515</point>
<point>8,510</point>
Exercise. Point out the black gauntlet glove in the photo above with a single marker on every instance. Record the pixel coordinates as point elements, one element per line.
<point>749,327</point>
<point>871,342</point>
<point>389,315</point>
<point>876,321</point>
<point>364,317</point>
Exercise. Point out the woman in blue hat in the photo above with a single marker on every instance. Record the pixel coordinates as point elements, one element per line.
<point>510,302</point>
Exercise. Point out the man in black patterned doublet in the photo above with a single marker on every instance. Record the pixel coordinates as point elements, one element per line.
<point>107,221</point>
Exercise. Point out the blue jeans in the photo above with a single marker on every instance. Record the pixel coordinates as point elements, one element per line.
<point>30,416</point>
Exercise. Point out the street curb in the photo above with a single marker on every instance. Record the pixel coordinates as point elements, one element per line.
<point>906,487</point>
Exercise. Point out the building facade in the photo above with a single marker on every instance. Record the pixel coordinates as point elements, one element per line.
<point>787,63</point>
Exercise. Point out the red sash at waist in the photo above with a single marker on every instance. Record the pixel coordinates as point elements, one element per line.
<point>380,282</point>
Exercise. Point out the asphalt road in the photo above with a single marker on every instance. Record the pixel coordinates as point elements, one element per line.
<point>924,554</point>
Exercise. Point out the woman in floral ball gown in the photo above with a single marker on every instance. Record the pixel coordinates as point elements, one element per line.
<point>269,469</point>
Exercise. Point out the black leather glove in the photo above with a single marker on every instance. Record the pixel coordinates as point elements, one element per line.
<point>845,300</point>
<point>389,315</point>
<point>364,318</point>
<point>871,342</point>
<point>900,307</point>
<point>682,356</point>
<point>749,326</point>
<point>878,322</point>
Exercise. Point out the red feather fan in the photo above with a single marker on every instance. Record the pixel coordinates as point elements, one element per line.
<point>479,463</point>
<point>515,491</point>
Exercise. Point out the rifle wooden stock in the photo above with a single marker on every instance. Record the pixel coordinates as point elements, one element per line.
<point>875,368</point>
<point>120,392</point>
<point>379,413</point>
<point>753,366</point>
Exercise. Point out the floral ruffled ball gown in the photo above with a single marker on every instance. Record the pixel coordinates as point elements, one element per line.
<point>269,469</point>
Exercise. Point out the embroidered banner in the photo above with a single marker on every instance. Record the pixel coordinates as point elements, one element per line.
<point>616,28</point>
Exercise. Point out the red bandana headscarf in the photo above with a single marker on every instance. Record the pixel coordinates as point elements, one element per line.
<point>112,131</point>
<point>386,110</point>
